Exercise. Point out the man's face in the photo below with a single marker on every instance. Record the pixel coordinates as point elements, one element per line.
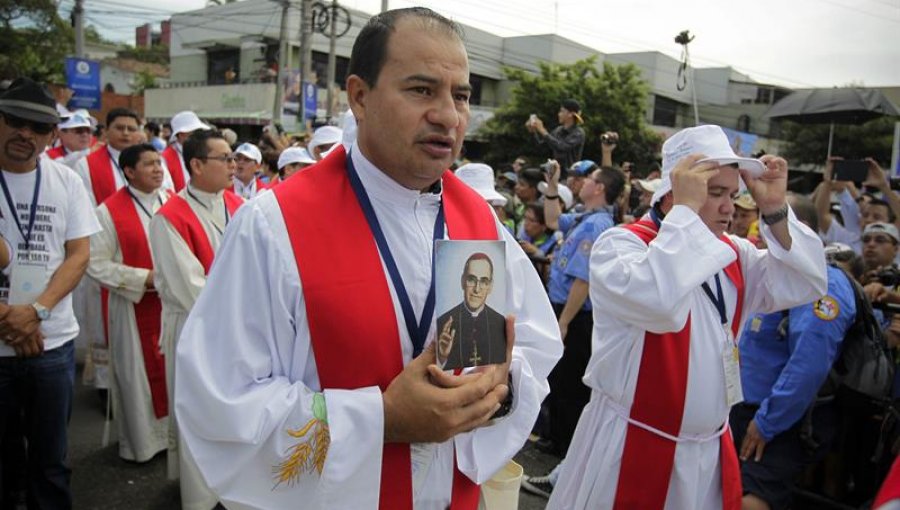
<point>532,226</point>
<point>147,174</point>
<point>75,139</point>
<point>874,213</point>
<point>292,168</point>
<point>245,168</point>
<point>166,133</point>
<point>719,207</point>
<point>215,171</point>
<point>122,133</point>
<point>525,191</point>
<point>879,250</point>
<point>319,150</point>
<point>412,122</point>
<point>575,182</point>
<point>477,282</point>
<point>591,191</point>
<point>22,140</point>
<point>564,115</point>
<point>518,165</point>
<point>740,225</point>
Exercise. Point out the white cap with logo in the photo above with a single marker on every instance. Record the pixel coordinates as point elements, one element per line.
<point>251,151</point>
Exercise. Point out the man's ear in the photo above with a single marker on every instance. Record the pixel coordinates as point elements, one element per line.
<point>357,94</point>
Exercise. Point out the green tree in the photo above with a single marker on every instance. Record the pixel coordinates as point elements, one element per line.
<point>142,81</point>
<point>809,143</point>
<point>34,40</point>
<point>612,99</point>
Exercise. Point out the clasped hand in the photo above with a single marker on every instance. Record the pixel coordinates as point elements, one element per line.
<point>423,404</point>
<point>20,329</point>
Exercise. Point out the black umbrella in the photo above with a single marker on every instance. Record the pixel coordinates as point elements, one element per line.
<point>834,106</point>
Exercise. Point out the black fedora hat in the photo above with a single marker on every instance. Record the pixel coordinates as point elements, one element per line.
<point>29,100</point>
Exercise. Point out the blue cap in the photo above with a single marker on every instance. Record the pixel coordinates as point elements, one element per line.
<point>583,168</point>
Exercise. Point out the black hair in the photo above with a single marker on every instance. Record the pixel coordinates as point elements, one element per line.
<point>531,176</point>
<point>877,201</point>
<point>477,256</point>
<point>538,211</point>
<point>370,48</point>
<point>130,156</point>
<point>115,113</point>
<point>613,181</point>
<point>153,127</point>
<point>196,146</point>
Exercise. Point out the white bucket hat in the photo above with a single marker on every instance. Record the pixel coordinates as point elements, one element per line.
<point>480,177</point>
<point>186,122</point>
<point>294,155</point>
<point>323,136</point>
<point>707,140</point>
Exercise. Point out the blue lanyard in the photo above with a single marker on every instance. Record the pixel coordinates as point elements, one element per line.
<point>719,299</point>
<point>417,332</point>
<point>34,201</point>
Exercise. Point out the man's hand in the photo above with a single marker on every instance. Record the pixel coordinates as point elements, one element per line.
<point>445,341</point>
<point>753,443</point>
<point>148,282</point>
<point>20,321</point>
<point>876,177</point>
<point>30,346</point>
<point>528,248</point>
<point>537,126</point>
<point>769,189</point>
<point>690,180</point>
<point>828,173</point>
<point>563,330</point>
<point>609,140</point>
<point>553,173</point>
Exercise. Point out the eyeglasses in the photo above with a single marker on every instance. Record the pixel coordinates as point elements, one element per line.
<point>125,128</point>
<point>877,239</point>
<point>472,281</point>
<point>38,128</point>
<point>221,159</point>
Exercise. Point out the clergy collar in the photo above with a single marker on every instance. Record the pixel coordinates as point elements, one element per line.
<point>476,313</point>
<point>113,153</point>
<point>380,186</point>
<point>177,147</point>
<point>144,196</point>
<point>207,198</point>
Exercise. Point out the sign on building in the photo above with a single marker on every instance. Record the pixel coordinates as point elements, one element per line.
<point>83,77</point>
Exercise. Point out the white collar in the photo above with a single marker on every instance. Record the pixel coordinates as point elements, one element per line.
<point>145,196</point>
<point>380,186</point>
<point>113,153</point>
<point>474,314</point>
<point>206,198</point>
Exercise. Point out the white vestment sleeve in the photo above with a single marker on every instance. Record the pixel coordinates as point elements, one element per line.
<point>106,262</point>
<point>778,279</point>
<point>246,376</point>
<point>179,275</point>
<point>648,286</point>
<point>537,348</point>
<point>83,170</point>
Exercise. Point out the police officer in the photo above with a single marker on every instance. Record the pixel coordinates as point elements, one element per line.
<point>781,426</point>
<point>568,289</point>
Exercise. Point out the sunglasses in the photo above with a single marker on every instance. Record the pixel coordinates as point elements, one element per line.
<point>40,128</point>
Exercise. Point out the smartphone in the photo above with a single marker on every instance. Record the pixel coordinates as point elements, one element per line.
<point>852,170</point>
<point>532,119</point>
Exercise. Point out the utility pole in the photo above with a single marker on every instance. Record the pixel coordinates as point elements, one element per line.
<point>305,55</point>
<point>332,58</point>
<point>78,14</point>
<point>384,5</point>
<point>282,63</point>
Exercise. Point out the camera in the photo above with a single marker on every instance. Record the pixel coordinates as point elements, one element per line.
<point>547,167</point>
<point>609,139</point>
<point>889,277</point>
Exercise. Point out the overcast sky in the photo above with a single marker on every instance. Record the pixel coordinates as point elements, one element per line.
<point>795,43</point>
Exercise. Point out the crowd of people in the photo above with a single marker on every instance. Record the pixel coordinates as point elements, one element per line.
<point>687,335</point>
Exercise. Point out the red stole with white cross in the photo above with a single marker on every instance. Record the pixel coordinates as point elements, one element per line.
<point>348,298</point>
<point>659,396</point>
<point>147,312</point>
<point>183,219</point>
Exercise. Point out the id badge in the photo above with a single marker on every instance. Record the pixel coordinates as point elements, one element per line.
<point>26,283</point>
<point>734,393</point>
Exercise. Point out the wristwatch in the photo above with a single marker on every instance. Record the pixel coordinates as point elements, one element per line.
<point>43,313</point>
<point>775,217</point>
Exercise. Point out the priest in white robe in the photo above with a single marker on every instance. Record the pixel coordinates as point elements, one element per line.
<point>253,399</point>
<point>669,295</point>
<point>141,412</point>
<point>184,238</point>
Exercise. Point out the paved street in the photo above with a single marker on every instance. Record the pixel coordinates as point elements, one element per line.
<point>102,481</point>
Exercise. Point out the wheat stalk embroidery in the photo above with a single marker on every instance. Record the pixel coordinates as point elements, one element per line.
<point>308,454</point>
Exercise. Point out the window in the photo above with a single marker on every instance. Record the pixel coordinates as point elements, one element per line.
<point>320,68</point>
<point>665,111</point>
<point>223,66</point>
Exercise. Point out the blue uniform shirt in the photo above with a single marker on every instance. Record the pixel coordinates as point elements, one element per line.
<point>783,375</point>
<point>572,259</point>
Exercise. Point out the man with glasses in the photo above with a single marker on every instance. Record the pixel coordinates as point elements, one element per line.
<point>471,333</point>
<point>74,140</point>
<point>48,221</point>
<point>249,160</point>
<point>121,263</point>
<point>185,235</point>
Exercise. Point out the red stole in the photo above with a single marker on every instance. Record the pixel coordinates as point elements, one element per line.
<point>890,489</point>
<point>343,277</point>
<point>180,215</point>
<point>174,163</point>
<point>57,152</point>
<point>147,312</point>
<point>647,459</point>
<point>103,180</point>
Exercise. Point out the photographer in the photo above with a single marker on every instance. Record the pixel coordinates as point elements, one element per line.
<point>566,141</point>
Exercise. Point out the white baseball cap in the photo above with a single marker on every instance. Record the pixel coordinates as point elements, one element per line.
<point>86,114</point>
<point>565,193</point>
<point>251,151</point>
<point>323,136</point>
<point>708,140</point>
<point>294,155</point>
<point>480,177</point>
<point>75,121</point>
<point>186,122</point>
